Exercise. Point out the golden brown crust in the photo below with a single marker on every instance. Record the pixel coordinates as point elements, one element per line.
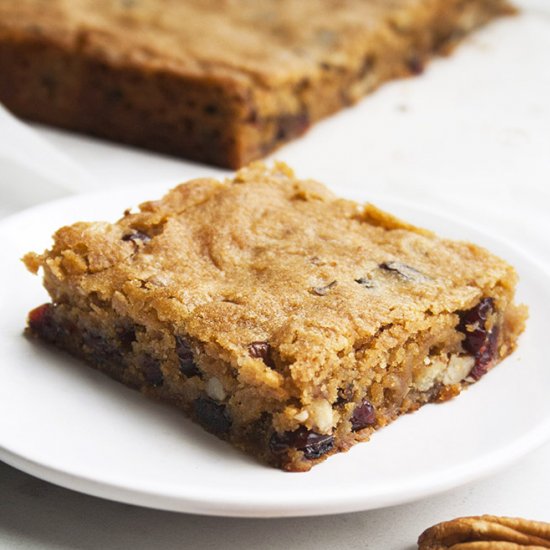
<point>222,88</point>
<point>486,533</point>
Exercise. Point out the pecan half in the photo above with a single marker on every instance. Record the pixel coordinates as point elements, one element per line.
<point>486,533</point>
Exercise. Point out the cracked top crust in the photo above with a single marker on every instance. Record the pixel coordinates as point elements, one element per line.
<point>269,258</point>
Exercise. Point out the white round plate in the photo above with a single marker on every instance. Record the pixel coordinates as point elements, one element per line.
<point>68,424</point>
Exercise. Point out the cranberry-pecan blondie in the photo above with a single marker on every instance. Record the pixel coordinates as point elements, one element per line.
<point>280,317</point>
<point>221,81</point>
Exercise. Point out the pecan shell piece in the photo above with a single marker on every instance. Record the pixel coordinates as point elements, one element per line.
<point>486,533</point>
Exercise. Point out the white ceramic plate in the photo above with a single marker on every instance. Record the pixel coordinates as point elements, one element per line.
<point>70,425</point>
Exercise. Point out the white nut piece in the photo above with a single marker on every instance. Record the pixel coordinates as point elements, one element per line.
<point>302,416</point>
<point>425,377</point>
<point>459,367</point>
<point>322,415</point>
<point>215,390</point>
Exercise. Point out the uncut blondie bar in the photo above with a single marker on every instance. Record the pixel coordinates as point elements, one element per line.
<point>220,81</point>
<point>284,319</point>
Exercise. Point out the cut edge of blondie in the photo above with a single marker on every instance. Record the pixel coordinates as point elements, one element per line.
<point>450,358</point>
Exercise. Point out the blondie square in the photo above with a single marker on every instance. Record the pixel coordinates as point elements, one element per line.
<point>284,319</point>
<point>219,81</point>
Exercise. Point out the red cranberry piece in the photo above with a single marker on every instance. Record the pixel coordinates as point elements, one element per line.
<point>472,325</point>
<point>363,416</point>
<point>212,416</point>
<point>312,444</point>
<point>38,315</point>
<point>188,367</point>
<point>41,322</point>
<point>485,356</point>
<point>152,371</point>
<point>262,350</point>
<point>478,341</point>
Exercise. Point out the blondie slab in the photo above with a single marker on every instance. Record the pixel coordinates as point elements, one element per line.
<point>280,317</point>
<point>223,82</point>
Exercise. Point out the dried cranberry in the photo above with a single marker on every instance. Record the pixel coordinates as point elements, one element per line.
<point>152,371</point>
<point>212,416</point>
<point>473,325</point>
<point>363,416</point>
<point>136,236</point>
<point>478,340</point>
<point>262,350</point>
<point>312,444</point>
<point>41,322</point>
<point>188,367</point>
<point>485,355</point>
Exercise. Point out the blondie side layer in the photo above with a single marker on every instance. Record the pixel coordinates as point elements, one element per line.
<point>219,81</point>
<point>284,319</point>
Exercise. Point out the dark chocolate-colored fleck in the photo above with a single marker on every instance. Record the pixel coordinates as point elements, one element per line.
<point>114,95</point>
<point>367,283</point>
<point>415,64</point>
<point>345,395</point>
<point>152,371</point>
<point>50,83</point>
<point>187,364</point>
<point>101,349</point>
<point>126,336</point>
<point>312,444</point>
<point>252,117</point>
<point>136,236</point>
<point>366,67</point>
<point>291,125</point>
<point>403,270</point>
<point>210,109</point>
<point>263,351</point>
<point>323,290</point>
<point>363,416</point>
<point>212,416</point>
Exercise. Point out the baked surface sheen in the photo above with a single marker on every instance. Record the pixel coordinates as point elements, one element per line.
<point>283,318</point>
<point>214,80</point>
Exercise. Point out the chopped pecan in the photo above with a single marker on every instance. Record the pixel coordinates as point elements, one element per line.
<point>486,533</point>
<point>323,290</point>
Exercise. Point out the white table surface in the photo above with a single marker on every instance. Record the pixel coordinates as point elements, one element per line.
<point>470,136</point>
